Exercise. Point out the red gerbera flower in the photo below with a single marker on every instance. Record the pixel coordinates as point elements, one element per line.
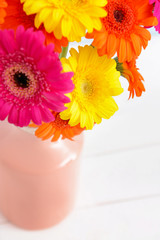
<point>57,128</point>
<point>16,16</point>
<point>123,30</point>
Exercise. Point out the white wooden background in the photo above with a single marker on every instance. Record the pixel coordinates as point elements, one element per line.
<point>119,190</point>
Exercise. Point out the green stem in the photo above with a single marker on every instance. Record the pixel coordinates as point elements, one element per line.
<point>119,66</point>
<point>64,52</point>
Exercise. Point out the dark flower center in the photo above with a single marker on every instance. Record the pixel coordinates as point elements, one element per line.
<point>21,80</point>
<point>118,15</point>
<point>59,122</point>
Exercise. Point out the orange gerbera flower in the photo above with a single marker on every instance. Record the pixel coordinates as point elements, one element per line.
<point>123,30</point>
<point>16,16</point>
<point>3,5</point>
<point>130,72</point>
<point>56,129</point>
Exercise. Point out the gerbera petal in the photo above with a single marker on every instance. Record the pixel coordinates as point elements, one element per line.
<point>143,33</point>
<point>49,134</point>
<point>102,51</point>
<point>97,23</point>
<point>57,107</point>
<point>67,134</point>
<point>66,26</point>
<point>61,85</point>
<point>41,130</point>
<point>89,121</point>
<point>3,5</point>
<point>42,16</point>
<point>76,113</point>
<point>36,115</point>
<point>37,5</point>
<point>5,109</point>
<point>136,44</point>
<point>1,103</point>
<point>44,132</point>
<point>111,44</point>
<point>149,21</point>
<point>6,43</point>
<point>56,97</point>
<point>122,50</point>
<point>24,117</point>
<point>13,115</point>
<point>129,49</point>
<point>56,136</point>
<point>46,114</point>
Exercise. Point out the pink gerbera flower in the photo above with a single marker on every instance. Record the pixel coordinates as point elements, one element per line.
<point>156,12</point>
<point>31,78</point>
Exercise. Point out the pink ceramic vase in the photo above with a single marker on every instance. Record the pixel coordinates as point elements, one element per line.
<point>38,179</point>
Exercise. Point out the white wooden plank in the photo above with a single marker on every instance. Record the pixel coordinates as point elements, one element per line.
<point>121,175</point>
<point>139,220</point>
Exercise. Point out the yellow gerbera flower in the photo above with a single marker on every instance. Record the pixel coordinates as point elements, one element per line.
<point>96,80</point>
<point>68,18</point>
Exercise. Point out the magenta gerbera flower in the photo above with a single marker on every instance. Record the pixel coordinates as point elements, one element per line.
<point>156,12</point>
<point>31,78</point>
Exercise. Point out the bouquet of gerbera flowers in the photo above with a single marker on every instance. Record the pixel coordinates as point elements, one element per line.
<point>40,87</point>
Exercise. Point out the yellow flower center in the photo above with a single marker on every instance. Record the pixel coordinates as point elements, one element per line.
<point>86,88</point>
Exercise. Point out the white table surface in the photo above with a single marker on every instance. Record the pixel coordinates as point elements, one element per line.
<point>119,190</point>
